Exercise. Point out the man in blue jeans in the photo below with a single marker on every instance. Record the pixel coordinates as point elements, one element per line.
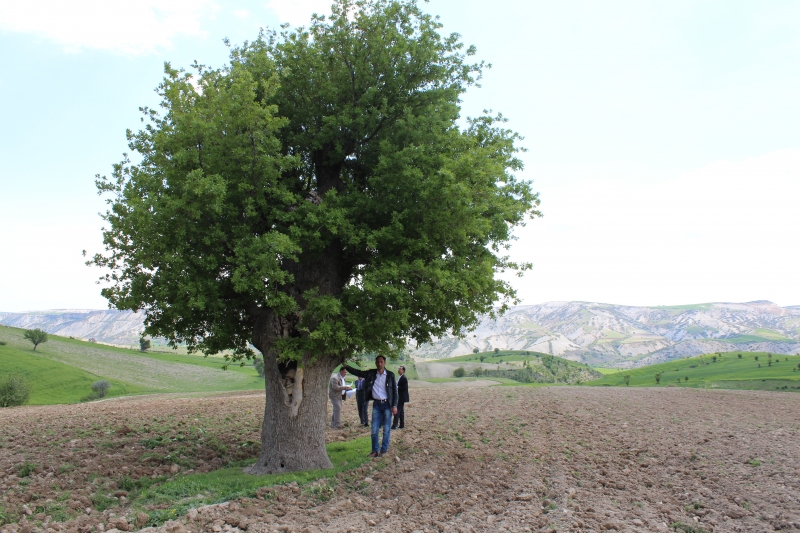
<point>381,388</point>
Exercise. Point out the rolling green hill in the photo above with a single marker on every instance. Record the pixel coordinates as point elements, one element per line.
<point>62,369</point>
<point>515,367</point>
<point>726,371</point>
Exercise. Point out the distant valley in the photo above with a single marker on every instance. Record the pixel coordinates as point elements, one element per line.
<point>593,333</point>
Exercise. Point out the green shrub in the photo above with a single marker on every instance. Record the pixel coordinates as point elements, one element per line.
<point>14,390</point>
<point>259,365</point>
<point>144,344</point>
<point>459,372</point>
<point>100,387</point>
<point>475,350</point>
<point>3,343</point>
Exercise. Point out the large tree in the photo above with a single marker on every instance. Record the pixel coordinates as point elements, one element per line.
<point>318,197</point>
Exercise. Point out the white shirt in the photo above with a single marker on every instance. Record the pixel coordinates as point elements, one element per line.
<point>379,387</point>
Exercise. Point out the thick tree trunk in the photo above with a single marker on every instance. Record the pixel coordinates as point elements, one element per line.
<point>295,415</point>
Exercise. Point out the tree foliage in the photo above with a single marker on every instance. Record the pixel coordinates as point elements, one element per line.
<point>36,336</point>
<point>14,390</point>
<point>322,177</point>
<point>318,197</point>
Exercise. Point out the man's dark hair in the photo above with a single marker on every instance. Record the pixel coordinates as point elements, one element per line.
<point>401,366</point>
<point>380,357</point>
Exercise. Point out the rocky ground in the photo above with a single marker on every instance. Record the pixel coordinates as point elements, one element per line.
<point>471,459</point>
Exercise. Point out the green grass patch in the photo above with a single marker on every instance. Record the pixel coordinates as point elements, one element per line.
<point>606,371</point>
<point>728,371</point>
<point>494,358</point>
<point>62,369</point>
<point>166,500</point>
<point>53,382</point>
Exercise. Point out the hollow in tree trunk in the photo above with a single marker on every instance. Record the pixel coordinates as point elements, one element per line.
<point>295,415</point>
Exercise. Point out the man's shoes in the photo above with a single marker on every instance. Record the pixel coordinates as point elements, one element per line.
<point>394,427</point>
<point>374,454</point>
<point>381,454</point>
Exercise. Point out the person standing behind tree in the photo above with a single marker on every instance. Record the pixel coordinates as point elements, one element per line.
<point>382,389</point>
<point>336,393</point>
<point>361,401</point>
<point>402,398</point>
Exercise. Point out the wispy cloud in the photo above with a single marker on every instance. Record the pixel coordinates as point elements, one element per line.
<point>129,28</point>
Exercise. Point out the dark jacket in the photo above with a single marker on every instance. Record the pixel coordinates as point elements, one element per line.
<point>369,379</point>
<point>402,389</point>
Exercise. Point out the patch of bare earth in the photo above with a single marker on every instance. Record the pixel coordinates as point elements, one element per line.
<point>470,459</point>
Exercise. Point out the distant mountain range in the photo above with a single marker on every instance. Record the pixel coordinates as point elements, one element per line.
<point>627,336</point>
<point>109,326</point>
<point>593,333</point>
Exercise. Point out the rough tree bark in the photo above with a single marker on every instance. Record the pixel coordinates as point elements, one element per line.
<point>295,414</point>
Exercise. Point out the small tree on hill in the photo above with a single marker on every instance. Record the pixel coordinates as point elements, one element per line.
<point>14,390</point>
<point>459,372</point>
<point>36,336</point>
<point>144,344</point>
<point>475,350</point>
<point>497,350</point>
<point>627,379</point>
<point>740,356</point>
<point>658,377</point>
<point>483,358</point>
<point>101,387</point>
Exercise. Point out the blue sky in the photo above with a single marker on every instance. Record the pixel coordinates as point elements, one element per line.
<point>662,136</point>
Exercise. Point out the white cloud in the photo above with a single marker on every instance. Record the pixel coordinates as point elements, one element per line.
<point>298,12</point>
<point>241,13</point>
<point>724,232</point>
<point>130,28</point>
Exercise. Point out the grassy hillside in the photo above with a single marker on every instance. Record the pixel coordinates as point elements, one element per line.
<point>501,356</point>
<point>515,366</point>
<point>727,370</point>
<point>55,382</point>
<point>62,369</point>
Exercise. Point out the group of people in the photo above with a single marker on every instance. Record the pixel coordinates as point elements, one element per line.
<point>377,385</point>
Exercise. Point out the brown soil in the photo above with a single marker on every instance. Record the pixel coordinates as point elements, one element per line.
<point>470,459</point>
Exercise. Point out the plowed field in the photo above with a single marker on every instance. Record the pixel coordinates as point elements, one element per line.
<point>470,459</point>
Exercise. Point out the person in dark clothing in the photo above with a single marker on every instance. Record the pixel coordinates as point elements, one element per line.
<point>362,402</point>
<point>402,398</point>
<point>381,388</point>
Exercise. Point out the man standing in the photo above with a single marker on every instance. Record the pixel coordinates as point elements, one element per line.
<point>402,398</point>
<point>361,401</point>
<point>382,389</point>
<point>336,392</point>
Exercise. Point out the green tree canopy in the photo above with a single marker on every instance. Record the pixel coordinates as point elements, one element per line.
<point>318,197</point>
<point>36,336</point>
